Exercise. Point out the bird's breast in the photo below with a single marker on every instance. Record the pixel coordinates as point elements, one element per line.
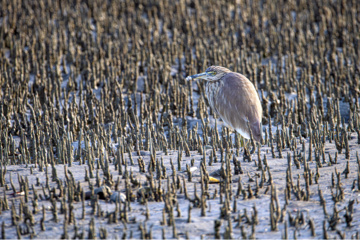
<point>211,90</point>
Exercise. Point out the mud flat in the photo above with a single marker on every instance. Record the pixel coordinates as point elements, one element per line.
<point>102,137</point>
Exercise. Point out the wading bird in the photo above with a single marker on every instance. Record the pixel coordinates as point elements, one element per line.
<point>234,99</point>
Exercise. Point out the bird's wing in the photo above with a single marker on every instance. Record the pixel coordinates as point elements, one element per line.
<point>237,103</point>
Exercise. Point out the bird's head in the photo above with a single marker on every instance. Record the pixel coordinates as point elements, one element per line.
<point>213,73</point>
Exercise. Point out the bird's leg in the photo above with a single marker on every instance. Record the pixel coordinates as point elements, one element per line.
<point>251,140</point>
<point>242,141</point>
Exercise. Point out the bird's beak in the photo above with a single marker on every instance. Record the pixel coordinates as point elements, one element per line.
<point>198,76</point>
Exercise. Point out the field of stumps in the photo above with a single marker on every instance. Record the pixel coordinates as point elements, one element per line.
<point>102,137</point>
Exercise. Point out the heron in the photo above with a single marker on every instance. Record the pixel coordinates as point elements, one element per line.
<point>234,98</point>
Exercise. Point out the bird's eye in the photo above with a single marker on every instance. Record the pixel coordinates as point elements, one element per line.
<point>211,73</point>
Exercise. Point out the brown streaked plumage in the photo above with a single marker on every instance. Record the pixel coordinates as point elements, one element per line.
<point>234,99</point>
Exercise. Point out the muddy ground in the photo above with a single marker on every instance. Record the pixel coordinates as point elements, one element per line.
<point>94,105</point>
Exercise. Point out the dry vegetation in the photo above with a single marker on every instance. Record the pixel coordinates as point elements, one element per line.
<point>93,98</point>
